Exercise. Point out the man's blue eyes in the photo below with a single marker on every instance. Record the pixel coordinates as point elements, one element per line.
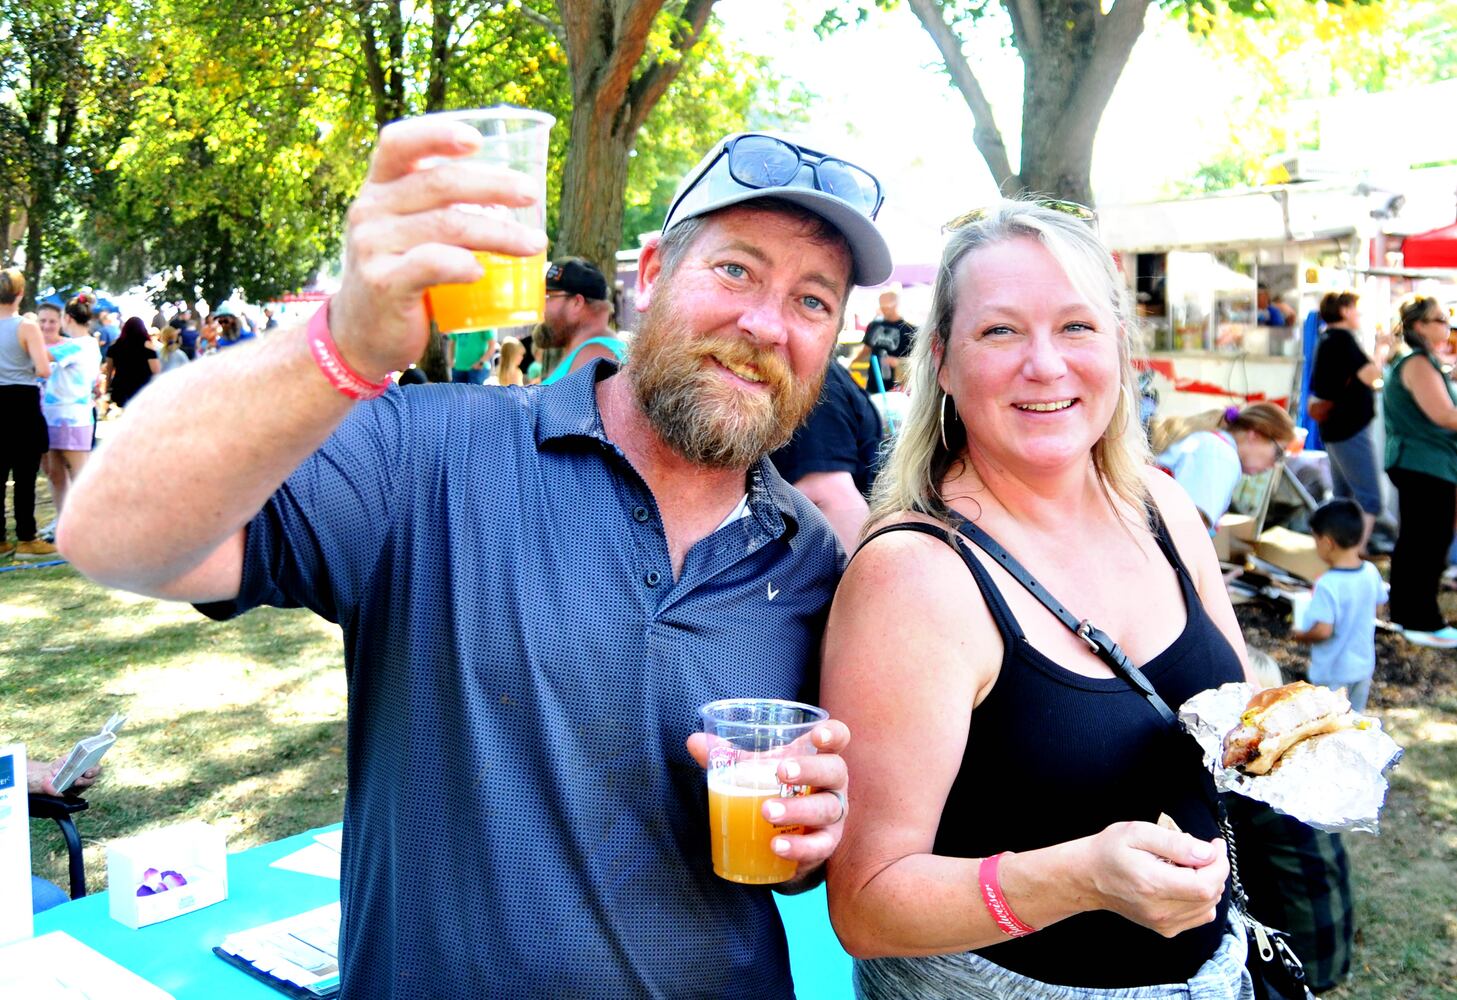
<point>810,301</point>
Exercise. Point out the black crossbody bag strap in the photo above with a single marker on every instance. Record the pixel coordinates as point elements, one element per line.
<point>1098,641</point>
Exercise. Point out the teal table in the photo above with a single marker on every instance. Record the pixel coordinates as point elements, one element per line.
<point>177,954</point>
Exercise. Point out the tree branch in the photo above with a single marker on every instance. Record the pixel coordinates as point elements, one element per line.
<point>1118,32</point>
<point>648,88</point>
<point>625,52</point>
<point>542,21</point>
<point>987,136</point>
<point>1027,21</point>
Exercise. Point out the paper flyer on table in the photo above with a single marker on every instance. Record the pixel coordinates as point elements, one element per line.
<point>316,859</point>
<point>56,966</point>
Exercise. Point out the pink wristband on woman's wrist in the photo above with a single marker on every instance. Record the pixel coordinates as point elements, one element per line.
<point>997,906</point>
<point>332,364</point>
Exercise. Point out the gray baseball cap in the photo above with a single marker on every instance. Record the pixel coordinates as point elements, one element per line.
<point>750,165</point>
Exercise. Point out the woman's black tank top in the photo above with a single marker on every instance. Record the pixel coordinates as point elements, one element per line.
<point>1053,755</point>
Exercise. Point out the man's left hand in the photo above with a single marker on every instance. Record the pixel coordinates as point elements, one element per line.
<point>40,777</point>
<point>821,813</point>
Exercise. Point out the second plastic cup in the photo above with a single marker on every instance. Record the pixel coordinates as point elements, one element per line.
<point>512,292</point>
<point>747,739</point>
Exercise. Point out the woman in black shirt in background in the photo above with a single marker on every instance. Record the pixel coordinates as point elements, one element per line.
<point>1343,402</point>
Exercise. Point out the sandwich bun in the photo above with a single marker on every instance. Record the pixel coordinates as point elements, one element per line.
<point>1277,719</point>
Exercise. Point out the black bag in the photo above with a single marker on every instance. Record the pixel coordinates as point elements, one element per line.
<point>1273,965</point>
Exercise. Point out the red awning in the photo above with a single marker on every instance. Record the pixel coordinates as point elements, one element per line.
<point>1437,248</point>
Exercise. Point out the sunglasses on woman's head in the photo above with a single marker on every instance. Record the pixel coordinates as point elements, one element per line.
<point>1072,208</point>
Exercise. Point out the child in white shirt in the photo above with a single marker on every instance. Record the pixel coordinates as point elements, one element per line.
<point>1340,624</point>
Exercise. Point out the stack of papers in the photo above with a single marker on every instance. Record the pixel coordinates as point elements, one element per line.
<point>298,955</point>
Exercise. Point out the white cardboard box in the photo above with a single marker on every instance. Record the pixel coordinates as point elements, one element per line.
<point>194,850</point>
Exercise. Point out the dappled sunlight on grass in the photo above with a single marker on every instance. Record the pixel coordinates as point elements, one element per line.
<point>239,723</point>
<point>12,613</point>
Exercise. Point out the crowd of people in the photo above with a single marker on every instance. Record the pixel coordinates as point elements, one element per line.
<point>658,559</point>
<point>71,363</point>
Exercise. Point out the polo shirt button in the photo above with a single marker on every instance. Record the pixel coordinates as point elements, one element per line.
<point>639,514</point>
<point>652,578</point>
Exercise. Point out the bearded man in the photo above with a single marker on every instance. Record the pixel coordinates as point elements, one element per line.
<point>526,811</point>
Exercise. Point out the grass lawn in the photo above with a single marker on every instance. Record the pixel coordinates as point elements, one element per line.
<point>241,724</point>
<point>1406,879</point>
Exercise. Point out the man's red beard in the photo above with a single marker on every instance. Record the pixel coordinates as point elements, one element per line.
<point>701,414</point>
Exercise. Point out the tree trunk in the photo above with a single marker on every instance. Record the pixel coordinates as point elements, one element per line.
<point>593,181</point>
<point>382,61</point>
<point>1071,73</point>
<point>34,251</point>
<point>1072,55</point>
<point>612,94</point>
<point>440,56</point>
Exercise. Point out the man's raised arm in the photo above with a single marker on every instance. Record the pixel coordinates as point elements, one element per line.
<point>255,412</point>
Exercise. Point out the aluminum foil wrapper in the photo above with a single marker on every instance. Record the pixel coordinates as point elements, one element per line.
<point>1334,782</point>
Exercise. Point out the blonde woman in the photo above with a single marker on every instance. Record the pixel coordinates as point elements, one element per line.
<point>171,355</point>
<point>509,372</point>
<point>1001,836</point>
<point>1207,454</point>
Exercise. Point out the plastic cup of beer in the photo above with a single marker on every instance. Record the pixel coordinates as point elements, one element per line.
<point>747,740</point>
<point>512,292</point>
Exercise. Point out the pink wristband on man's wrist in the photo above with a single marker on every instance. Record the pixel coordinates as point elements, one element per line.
<point>997,906</point>
<point>332,364</point>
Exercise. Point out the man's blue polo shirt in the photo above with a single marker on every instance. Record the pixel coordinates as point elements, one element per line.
<point>523,819</point>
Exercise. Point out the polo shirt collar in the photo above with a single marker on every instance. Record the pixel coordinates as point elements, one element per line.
<point>569,410</point>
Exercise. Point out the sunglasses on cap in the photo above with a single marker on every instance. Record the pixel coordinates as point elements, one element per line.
<point>762,161</point>
<point>1072,208</point>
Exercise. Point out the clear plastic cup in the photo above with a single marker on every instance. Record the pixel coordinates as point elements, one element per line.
<point>747,739</point>
<point>512,292</point>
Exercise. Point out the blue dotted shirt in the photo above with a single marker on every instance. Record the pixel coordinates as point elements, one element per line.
<point>522,817</point>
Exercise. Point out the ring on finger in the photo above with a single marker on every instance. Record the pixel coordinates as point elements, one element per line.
<point>844,805</point>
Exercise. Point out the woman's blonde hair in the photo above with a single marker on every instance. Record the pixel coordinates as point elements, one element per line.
<point>512,351</point>
<point>1263,418</point>
<point>918,464</point>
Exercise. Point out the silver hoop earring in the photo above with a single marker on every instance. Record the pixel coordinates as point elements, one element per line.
<point>1124,413</point>
<point>945,398</point>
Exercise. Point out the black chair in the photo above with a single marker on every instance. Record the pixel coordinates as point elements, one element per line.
<point>61,808</point>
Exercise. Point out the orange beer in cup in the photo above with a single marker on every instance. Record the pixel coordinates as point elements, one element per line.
<point>747,740</point>
<point>512,291</point>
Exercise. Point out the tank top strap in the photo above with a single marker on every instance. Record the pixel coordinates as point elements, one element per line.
<point>1006,622</point>
<point>1166,542</point>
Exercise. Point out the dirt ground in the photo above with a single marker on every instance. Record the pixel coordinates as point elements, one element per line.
<point>1405,674</point>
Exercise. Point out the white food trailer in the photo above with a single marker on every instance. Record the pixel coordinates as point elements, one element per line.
<point>1195,266</point>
